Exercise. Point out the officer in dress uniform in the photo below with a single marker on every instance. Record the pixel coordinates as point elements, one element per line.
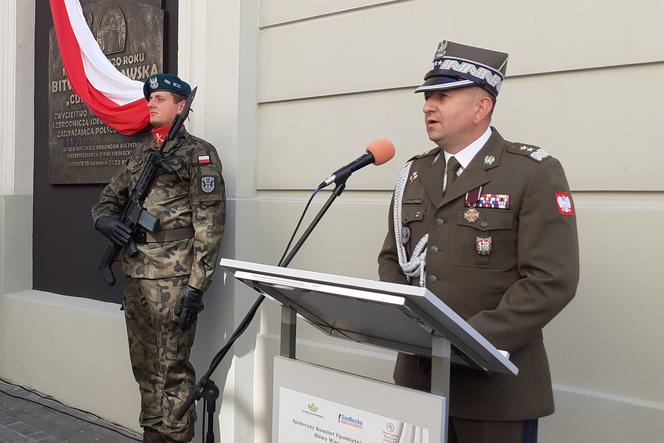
<point>166,280</point>
<point>489,227</point>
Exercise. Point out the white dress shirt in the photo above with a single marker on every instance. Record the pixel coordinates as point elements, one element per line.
<point>466,155</point>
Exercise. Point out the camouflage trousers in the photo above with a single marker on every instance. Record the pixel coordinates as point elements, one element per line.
<point>159,353</point>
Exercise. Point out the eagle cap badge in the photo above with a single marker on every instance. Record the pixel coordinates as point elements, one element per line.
<point>154,83</point>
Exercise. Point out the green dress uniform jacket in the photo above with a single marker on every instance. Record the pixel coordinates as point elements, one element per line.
<point>190,199</point>
<point>508,295</point>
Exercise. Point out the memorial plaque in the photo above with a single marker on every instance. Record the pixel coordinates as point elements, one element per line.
<point>82,149</point>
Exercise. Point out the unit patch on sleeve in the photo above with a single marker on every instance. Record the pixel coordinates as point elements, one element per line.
<point>564,203</point>
<point>207,184</point>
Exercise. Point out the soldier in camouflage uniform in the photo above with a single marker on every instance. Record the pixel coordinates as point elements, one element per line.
<point>166,280</point>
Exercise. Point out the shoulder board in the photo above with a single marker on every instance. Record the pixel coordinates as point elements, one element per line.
<point>535,153</point>
<point>428,153</point>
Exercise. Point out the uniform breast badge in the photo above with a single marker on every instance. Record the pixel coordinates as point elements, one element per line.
<point>483,245</point>
<point>412,178</point>
<point>471,215</point>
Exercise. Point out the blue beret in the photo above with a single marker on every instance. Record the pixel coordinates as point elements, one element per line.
<point>165,82</point>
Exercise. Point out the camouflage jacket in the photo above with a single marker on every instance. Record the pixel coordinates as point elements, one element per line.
<point>191,196</point>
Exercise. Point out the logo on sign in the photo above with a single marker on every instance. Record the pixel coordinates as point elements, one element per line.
<point>350,421</point>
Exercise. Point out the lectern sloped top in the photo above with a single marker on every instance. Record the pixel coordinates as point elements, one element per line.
<point>399,317</point>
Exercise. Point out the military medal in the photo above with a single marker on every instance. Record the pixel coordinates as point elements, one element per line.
<point>471,215</point>
<point>472,197</point>
<point>483,245</point>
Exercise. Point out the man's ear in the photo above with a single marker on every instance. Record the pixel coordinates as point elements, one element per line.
<point>484,108</point>
<point>181,106</point>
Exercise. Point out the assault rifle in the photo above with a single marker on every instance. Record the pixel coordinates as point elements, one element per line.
<point>134,214</point>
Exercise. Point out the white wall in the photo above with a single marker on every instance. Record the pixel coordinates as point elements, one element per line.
<point>17,48</point>
<point>16,143</point>
<point>72,349</point>
<point>581,83</point>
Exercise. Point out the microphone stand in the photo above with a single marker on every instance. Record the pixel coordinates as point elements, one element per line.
<point>206,388</point>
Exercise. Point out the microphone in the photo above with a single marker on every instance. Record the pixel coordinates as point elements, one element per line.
<point>378,152</point>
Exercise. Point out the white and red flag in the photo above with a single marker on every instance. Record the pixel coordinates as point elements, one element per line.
<point>115,98</point>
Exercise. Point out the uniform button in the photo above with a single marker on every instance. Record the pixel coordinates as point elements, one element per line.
<point>432,279</point>
<point>484,223</point>
<point>439,221</point>
<point>434,249</point>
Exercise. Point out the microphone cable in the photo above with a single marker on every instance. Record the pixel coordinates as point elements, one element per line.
<point>306,208</point>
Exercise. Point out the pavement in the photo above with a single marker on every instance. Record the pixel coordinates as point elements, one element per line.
<point>27,417</point>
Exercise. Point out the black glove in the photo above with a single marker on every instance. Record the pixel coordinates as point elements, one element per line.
<point>114,229</point>
<point>188,306</point>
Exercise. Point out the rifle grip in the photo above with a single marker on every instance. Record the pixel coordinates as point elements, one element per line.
<point>107,273</point>
<point>131,248</point>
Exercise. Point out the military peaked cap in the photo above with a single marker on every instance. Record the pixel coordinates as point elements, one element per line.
<point>165,82</point>
<point>459,66</point>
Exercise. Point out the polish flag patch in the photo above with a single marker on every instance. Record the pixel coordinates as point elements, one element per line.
<point>564,203</point>
<point>203,159</point>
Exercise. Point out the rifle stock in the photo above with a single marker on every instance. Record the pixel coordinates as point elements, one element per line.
<point>106,264</point>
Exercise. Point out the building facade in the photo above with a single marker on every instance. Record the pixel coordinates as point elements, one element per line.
<point>289,91</point>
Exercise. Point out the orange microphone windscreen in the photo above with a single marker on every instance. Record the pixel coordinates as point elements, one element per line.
<point>382,151</point>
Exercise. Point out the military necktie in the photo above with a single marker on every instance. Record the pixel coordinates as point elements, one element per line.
<point>453,166</point>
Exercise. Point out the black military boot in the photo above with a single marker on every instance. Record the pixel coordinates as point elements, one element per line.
<point>152,436</point>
